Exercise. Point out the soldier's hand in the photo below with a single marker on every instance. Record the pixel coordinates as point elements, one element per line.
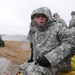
<point>43,62</point>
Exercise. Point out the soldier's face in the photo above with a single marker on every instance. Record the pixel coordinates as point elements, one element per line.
<point>41,19</point>
<point>56,16</point>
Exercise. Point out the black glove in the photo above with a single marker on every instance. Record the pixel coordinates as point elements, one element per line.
<point>43,62</point>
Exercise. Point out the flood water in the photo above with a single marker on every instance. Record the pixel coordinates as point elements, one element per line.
<point>6,67</point>
<point>3,65</point>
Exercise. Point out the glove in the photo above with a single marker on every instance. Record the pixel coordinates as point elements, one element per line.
<point>43,62</point>
<point>30,60</point>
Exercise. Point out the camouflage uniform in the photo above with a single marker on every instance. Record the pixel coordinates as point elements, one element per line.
<point>72,22</point>
<point>60,20</point>
<point>52,41</point>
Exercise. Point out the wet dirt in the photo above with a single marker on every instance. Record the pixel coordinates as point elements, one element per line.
<point>12,56</point>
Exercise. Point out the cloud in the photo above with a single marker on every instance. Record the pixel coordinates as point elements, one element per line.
<point>15,14</point>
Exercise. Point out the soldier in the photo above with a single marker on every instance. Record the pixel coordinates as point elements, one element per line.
<point>72,22</point>
<point>51,44</point>
<point>59,20</point>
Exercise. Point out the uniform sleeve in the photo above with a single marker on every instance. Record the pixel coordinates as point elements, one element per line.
<point>63,50</point>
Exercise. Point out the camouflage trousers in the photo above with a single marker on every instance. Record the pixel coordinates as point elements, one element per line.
<point>32,69</point>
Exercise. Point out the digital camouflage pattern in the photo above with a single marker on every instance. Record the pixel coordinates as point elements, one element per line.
<point>60,20</point>
<point>52,41</point>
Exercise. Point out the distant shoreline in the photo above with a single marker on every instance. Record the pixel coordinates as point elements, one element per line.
<point>14,37</point>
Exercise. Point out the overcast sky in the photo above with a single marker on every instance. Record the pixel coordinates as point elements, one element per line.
<point>15,14</point>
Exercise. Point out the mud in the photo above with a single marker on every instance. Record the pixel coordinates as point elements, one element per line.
<point>12,56</point>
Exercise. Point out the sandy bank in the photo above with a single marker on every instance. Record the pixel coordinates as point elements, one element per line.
<point>16,52</point>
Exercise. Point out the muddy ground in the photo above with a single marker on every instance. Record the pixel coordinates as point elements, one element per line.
<point>15,51</point>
